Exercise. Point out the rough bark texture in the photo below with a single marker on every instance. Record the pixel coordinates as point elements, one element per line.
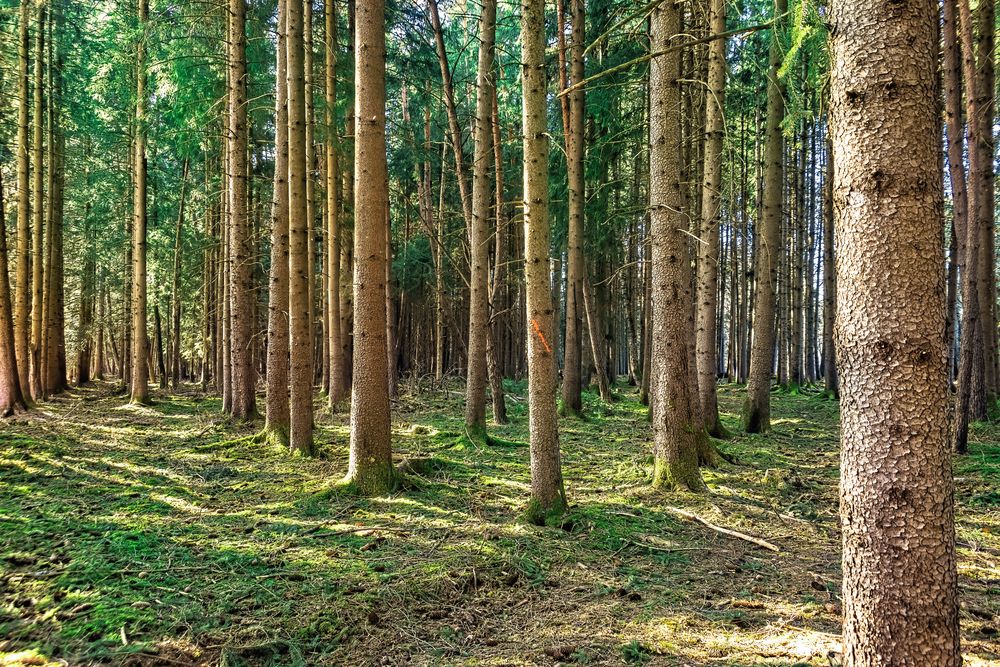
<point>757,409</point>
<point>11,398</point>
<point>370,468</point>
<point>900,589</point>
<point>711,199</point>
<point>139,384</point>
<point>335,343</point>
<point>37,211</point>
<point>22,297</point>
<point>675,433</point>
<point>548,497</point>
<point>575,152</point>
<point>479,236</point>
<point>985,89</point>
<point>241,292</point>
<point>277,417</point>
<point>300,343</point>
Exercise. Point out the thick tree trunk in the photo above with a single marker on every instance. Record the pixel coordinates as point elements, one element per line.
<point>711,200</point>
<point>757,408</point>
<point>676,433</point>
<point>479,236</point>
<point>897,508</point>
<point>139,382</point>
<point>548,497</point>
<point>277,418</point>
<point>575,266</point>
<point>370,469</point>
<point>301,345</point>
<point>241,294</point>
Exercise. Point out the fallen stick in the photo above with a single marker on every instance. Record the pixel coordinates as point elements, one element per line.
<point>725,531</point>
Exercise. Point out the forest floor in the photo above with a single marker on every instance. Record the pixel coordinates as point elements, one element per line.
<point>161,535</point>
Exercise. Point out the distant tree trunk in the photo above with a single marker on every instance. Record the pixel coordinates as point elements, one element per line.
<point>244,376</point>
<point>391,324</point>
<point>335,342</point>
<point>11,398</point>
<point>175,290</point>
<point>595,337</point>
<point>99,364</point>
<point>482,200</point>
<point>139,382</point>
<point>277,419</point>
<point>984,122</point>
<point>54,336</point>
<point>499,271</point>
<point>301,344</point>
<point>897,508</point>
<point>38,212</point>
<point>757,408</point>
<point>454,128</point>
<point>711,199</point>
<point>548,496</point>
<point>161,365</point>
<point>675,433</point>
<point>830,381</point>
<point>575,266</point>
<point>22,296</point>
<point>370,468</point>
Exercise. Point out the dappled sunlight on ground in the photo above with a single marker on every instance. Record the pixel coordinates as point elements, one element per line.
<point>163,535</point>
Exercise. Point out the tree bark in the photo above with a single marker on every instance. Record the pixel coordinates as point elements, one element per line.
<point>300,342</point>
<point>757,408</point>
<point>711,196</point>
<point>38,212</point>
<point>241,293</point>
<point>897,509</point>
<point>11,398</point>
<point>675,431</point>
<point>22,295</point>
<point>139,382</point>
<point>548,496</point>
<point>575,266</point>
<point>335,342</point>
<point>175,291</point>
<point>479,237</point>
<point>370,469</point>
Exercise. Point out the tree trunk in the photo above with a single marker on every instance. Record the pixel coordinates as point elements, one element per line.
<point>497,321</point>
<point>301,344</point>
<point>575,266</point>
<point>548,496</point>
<point>897,508</point>
<point>757,408</point>
<point>277,419</point>
<point>139,382</point>
<point>38,212</point>
<point>675,433</point>
<point>370,469</point>
<point>175,292</point>
<point>161,365</point>
<point>335,342</point>
<point>985,88</point>
<point>711,195</point>
<point>482,200</point>
<point>241,294</point>
<point>11,398</point>
<point>22,296</point>
<point>830,381</point>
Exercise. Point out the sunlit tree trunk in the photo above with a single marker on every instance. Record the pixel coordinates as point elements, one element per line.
<point>548,496</point>
<point>900,586</point>
<point>139,383</point>
<point>335,343</point>
<point>370,469</point>
<point>757,408</point>
<point>38,211</point>
<point>675,431</point>
<point>11,398</point>
<point>22,296</point>
<point>482,200</point>
<point>241,294</point>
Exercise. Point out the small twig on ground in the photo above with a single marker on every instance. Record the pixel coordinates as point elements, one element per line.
<point>725,531</point>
